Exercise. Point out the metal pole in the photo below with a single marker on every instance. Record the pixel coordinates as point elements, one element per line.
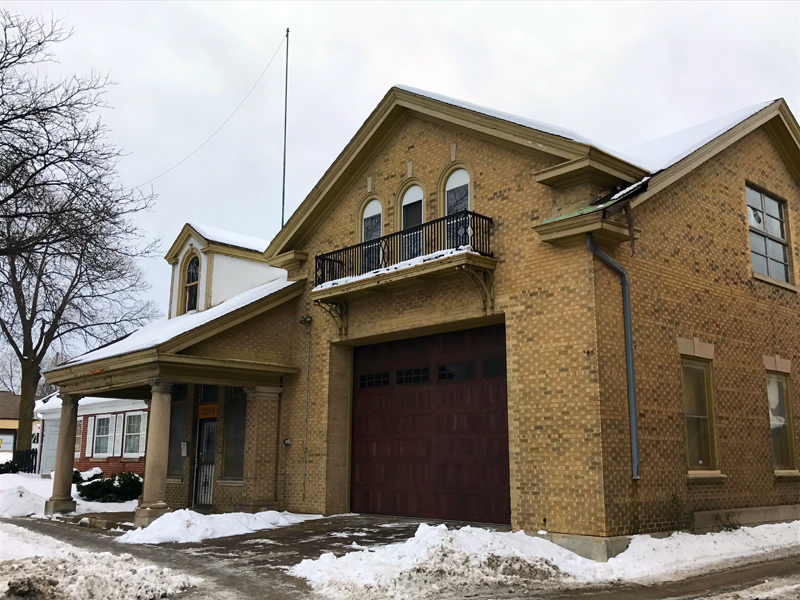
<point>285,116</point>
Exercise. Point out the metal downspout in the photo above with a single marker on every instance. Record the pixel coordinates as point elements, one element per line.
<point>628,326</point>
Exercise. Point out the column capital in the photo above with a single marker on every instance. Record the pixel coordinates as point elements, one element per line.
<point>262,393</point>
<point>159,387</point>
<point>69,398</point>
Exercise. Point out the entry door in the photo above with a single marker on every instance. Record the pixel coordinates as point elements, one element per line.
<point>206,447</point>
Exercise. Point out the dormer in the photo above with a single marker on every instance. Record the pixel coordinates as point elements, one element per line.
<point>210,265</point>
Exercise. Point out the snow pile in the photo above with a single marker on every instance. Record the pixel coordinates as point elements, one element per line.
<point>38,566</point>
<point>230,238</point>
<point>21,502</point>
<point>438,559</point>
<point>185,526</point>
<point>412,262</point>
<point>94,471</point>
<point>14,503</point>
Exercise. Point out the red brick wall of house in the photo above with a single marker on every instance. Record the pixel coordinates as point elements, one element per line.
<point>111,464</point>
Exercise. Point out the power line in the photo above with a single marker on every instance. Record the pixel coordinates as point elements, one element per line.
<point>208,139</point>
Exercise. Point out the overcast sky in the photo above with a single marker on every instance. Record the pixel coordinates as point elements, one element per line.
<point>618,73</point>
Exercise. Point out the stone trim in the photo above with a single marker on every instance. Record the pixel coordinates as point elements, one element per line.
<point>706,476</point>
<point>773,281</point>
<point>695,348</point>
<point>787,474</point>
<point>777,364</point>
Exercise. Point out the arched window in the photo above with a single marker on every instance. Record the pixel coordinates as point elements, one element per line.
<point>373,221</point>
<point>192,277</point>
<point>372,224</point>
<point>412,216</point>
<point>457,192</point>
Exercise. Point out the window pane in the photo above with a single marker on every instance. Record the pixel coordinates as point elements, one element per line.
<point>753,198</point>
<point>758,243</point>
<point>372,227</point>
<point>177,434</point>
<point>464,370</point>
<point>772,207</point>
<point>78,435</point>
<point>412,214</point>
<point>776,250</point>
<point>778,421</point>
<point>131,444</point>
<point>494,367</point>
<point>458,199</point>
<point>101,445</point>
<point>191,298</point>
<point>134,424</point>
<point>235,413</point>
<point>699,443</point>
<point>775,227</point>
<point>756,218</point>
<point>193,270</point>
<point>778,271</point>
<point>694,391</point>
<point>102,426</point>
<point>759,263</point>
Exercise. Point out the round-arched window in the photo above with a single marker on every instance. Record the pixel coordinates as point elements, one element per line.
<point>412,207</point>
<point>192,277</point>
<point>372,222</point>
<point>457,192</point>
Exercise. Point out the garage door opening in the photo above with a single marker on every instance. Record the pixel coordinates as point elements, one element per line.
<point>430,427</point>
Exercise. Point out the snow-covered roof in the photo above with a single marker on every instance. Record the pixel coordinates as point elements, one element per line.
<point>498,114</point>
<point>51,407</point>
<point>164,330</point>
<point>230,238</point>
<point>662,153</point>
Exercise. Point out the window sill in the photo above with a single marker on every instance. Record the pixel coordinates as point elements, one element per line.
<point>229,482</point>
<point>133,458</point>
<point>773,281</point>
<point>98,459</point>
<point>787,474</point>
<point>175,480</point>
<point>705,476</point>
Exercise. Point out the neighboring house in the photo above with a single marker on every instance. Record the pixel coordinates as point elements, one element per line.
<point>434,334</point>
<point>9,422</point>
<point>110,434</point>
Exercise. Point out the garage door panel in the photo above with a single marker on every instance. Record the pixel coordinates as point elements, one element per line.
<point>430,432</point>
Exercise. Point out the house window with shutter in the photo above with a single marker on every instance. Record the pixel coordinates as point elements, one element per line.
<point>135,438</point>
<point>103,436</point>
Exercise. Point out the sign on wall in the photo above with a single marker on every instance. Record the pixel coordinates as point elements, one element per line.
<point>207,411</point>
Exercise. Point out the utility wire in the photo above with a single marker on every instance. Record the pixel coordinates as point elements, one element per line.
<point>208,139</point>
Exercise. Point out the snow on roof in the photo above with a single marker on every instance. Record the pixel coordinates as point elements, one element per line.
<point>498,114</point>
<point>53,404</point>
<point>230,238</point>
<point>662,153</point>
<point>164,330</point>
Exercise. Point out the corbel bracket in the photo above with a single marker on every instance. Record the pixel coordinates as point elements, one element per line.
<point>483,280</point>
<point>338,312</point>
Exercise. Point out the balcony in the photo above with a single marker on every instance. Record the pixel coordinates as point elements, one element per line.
<point>450,243</point>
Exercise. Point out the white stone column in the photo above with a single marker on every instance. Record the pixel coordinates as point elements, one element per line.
<point>154,494</point>
<point>61,501</point>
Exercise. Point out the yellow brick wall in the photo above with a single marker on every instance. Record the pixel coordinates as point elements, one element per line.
<point>692,277</point>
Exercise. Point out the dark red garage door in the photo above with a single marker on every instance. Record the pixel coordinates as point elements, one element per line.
<point>430,427</point>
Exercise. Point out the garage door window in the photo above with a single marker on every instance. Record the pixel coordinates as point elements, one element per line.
<point>463,370</point>
<point>494,367</point>
<point>371,380</point>
<point>411,376</point>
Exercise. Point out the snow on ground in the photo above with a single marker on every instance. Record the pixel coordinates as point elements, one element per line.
<point>48,568</point>
<point>24,494</point>
<point>6,456</point>
<point>438,559</point>
<point>185,526</point>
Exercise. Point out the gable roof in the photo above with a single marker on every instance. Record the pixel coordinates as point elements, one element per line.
<point>9,405</point>
<point>219,240</point>
<point>401,101</point>
<point>167,330</point>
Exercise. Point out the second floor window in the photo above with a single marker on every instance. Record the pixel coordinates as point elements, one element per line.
<point>457,192</point>
<point>192,277</point>
<point>768,247</point>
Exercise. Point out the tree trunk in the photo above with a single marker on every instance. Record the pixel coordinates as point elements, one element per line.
<point>30,381</point>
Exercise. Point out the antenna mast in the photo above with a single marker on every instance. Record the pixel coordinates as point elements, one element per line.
<point>285,115</point>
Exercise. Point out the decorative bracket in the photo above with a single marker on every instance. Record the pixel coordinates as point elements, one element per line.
<point>337,312</point>
<point>483,280</point>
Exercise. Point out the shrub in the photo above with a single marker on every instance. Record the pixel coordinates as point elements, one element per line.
<point>77,476</point>
<point>9,467</point>
<point>120,487</point>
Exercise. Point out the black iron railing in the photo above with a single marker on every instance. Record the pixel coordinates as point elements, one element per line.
<point>460,230</point>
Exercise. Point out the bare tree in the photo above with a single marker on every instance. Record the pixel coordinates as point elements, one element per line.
<point>69,277</point>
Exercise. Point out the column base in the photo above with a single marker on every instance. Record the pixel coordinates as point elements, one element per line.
<point>255,506</point>
<point>144,516</point>
<point>54,507</point>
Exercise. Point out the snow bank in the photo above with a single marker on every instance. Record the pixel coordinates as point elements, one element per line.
<point>48,568</point>
<point>23,494</point>
<point>437,559</point>
<point>87,475</point>
<point>185,526</point>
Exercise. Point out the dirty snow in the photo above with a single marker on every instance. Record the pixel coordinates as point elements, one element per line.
<point>397,266</point>
<point>24,494</point>
<point>439,559</point>
<point>164,330</point>
<point>185,526</point>
<point>48,568</point>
